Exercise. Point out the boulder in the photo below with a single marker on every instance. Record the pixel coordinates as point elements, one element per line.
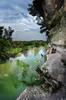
<point>57,70</point>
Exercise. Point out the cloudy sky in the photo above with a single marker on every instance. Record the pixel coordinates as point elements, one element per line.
<point>14,13</point>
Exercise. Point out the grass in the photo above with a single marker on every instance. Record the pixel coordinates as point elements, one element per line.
<point>15,51</point>
<point>11,49</point>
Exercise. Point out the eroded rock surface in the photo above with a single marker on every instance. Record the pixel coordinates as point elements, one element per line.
<point>32,93</point>
<point>57,69</point>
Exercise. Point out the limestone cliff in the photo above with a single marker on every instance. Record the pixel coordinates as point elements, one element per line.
<point>54,14</point>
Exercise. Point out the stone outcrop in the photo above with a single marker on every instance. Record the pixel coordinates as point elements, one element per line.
<point>57,69</point>
<point>32,93</point>
<point>56,63</point>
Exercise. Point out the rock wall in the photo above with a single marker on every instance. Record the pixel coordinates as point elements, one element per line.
<point>56,63</point>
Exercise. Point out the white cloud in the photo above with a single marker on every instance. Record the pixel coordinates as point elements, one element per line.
<point>14,13</point>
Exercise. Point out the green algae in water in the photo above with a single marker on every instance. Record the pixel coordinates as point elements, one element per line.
<point>10,86</point>
<point>16,75</point>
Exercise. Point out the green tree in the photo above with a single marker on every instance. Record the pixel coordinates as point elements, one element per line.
<point>6,33</point>
<point>5,42</point>
<point>51,16</point>
<point>47,12</point>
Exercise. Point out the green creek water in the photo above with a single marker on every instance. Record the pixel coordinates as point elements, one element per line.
<point>17,70</point>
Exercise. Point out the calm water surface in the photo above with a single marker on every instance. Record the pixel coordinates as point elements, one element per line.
<point>17,70</point>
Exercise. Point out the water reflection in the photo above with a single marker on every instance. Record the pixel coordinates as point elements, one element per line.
<point>33,55</point>
<point>16,70</point>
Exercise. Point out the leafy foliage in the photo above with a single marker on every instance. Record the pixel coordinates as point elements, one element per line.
<point>5,42</point>
<point>47,13</point>
<point>6,33</point>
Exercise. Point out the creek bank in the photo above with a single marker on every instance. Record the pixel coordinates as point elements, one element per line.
<point>57,69</point>
<point>56,63</point>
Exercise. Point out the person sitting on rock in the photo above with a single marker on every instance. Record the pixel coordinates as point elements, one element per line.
<point>53,50</point>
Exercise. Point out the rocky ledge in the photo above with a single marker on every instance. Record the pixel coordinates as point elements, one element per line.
<point>56,65</point>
